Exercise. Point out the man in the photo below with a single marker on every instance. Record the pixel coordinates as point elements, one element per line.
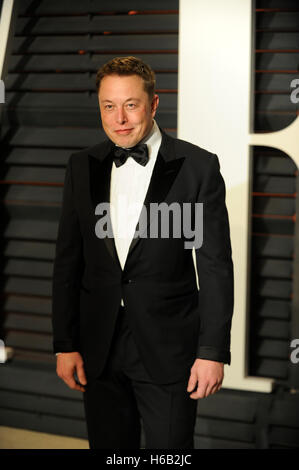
<point>128,318</point>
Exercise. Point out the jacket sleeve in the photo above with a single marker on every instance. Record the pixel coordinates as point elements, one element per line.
<point>215,270</point>
<point>67,272</point>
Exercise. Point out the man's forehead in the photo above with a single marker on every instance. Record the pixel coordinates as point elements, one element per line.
<point>132,98</point>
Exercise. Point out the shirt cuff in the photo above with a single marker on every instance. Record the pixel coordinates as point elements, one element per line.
<point>213,354</point>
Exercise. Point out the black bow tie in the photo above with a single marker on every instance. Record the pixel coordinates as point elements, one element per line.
<point>139,153</point>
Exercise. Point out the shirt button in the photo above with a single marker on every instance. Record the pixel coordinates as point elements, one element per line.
<point>127,281</point>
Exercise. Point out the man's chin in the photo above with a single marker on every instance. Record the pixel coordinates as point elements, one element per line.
<point>125,142</point>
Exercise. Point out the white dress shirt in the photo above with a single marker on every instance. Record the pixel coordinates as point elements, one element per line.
<point>128,187</point>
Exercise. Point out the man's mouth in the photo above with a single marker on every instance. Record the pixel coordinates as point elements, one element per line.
<point>123,131</point>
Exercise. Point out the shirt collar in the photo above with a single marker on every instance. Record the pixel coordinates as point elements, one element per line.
<point>153,139</point>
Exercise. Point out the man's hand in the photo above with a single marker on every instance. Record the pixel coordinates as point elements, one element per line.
<point>208,375</point>
<point>67,365</point>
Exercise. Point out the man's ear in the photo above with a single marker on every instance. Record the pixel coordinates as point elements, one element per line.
<point>155,103</point>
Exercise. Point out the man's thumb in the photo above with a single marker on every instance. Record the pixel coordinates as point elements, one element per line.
<point>191,383</point>
<point>81,375</point>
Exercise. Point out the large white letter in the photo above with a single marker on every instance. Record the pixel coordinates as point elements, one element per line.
<point>215,53</point>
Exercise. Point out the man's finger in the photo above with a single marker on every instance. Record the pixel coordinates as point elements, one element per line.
<point>76,386</point>
<point>212,389</point>
<point>70,381</point>
<point>81,375</point>
<point>200,392</point>
<point>192,383</point>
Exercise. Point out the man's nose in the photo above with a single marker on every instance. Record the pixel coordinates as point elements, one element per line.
<point>121,116</point>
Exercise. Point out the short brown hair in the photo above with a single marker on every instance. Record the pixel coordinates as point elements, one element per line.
<point>129,66</point>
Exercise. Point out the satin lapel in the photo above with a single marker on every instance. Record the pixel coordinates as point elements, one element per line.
<point>100,176</point>
<point>163,176</point>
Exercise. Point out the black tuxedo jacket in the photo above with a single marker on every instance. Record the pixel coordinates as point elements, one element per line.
<point>173,322</point>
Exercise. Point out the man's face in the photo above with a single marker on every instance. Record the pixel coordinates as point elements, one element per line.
<point>126,110</point>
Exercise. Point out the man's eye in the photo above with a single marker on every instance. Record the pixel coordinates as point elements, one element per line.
<point>108,106</point>
<point>131,105</point>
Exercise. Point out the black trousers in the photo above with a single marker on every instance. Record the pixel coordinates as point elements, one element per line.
<point>124,394</point>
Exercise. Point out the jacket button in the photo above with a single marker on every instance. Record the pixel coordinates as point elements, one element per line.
<point>127,281</point>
